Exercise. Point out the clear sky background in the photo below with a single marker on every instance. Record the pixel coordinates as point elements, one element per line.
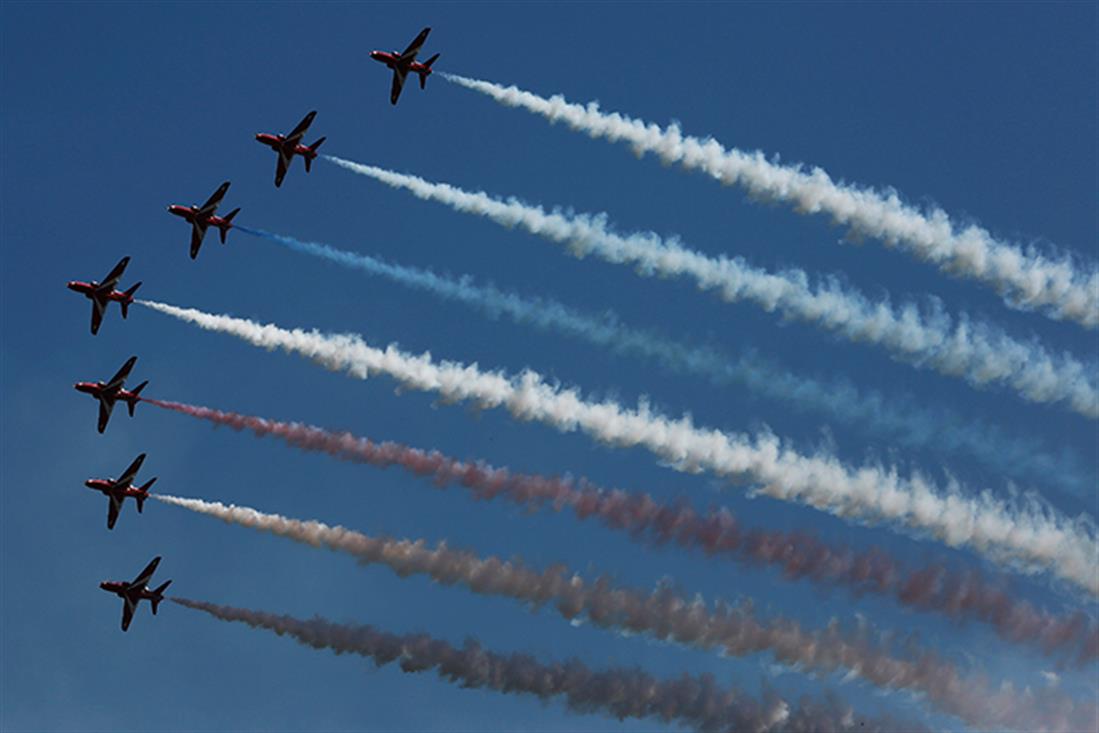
<point>111,112</point>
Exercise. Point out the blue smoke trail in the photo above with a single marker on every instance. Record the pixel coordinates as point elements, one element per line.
<point>901,418</point>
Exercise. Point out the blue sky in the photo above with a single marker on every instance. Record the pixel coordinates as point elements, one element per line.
<point>111,112</point>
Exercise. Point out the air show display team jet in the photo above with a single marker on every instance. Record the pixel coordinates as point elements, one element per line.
<point>405,62</point>
<point>110,392</point>
<point>204,216</point>
<point>116,490</point>
<point>137,590</point>
<point>287,146</point>
<point>103,293</point>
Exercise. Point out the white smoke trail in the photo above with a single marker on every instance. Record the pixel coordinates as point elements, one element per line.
<point>1029,537</point>
<point>894,417</point>
<point>623,693</point>
<point>980,353</point>
<point>1027,279</point>
<point>732,630</point>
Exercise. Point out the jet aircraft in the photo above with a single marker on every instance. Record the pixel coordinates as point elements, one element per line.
<point>137,590</point>
<point>102,293</point>
<point>116,490</point>
<point>402,63</point>
<point>287,146</point>
<point>204,216</point>
<point>110,392</point>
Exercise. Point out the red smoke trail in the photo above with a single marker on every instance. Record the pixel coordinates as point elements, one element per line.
<point>961,595</point>
<point>731,630</point>
<point>623,693</point>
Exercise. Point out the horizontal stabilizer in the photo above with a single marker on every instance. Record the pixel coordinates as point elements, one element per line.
<point>158,595</point>
<point>223,229</point>
<point>427,71</point>
<point>125,304</point>
<point>140,498</point>
<point>312,153</point>
<point>132,402</point>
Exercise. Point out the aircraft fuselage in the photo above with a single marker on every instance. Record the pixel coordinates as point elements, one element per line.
<point>95,389</point>
<point>107,487</point>
<point>278,142</point>
<point>88,290</point>
<point>392,59</point>
<point>100,391</point>
<point>125,590</point>
<point>190,213</point>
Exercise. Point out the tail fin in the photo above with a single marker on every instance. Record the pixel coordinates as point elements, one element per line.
<point>125,304</point>
<point>136,391</point>
<point>158,595</point>
<point>144,489</point>
<point>312,153</point>
<point>223,229</point>
<point>425,74</point>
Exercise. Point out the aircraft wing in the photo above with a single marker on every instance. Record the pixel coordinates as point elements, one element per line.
<point>398,85</point>
<point>98,306</point>
<point>281,167</point>
<point>128,607</point>
<point>296,134</point>
<point>198,231</point>
<point>114,275</point>
<point>414,48</point>
<point>120,376</point>
<point>114,505</point>
<point>211,205</point>
<point>130,474</point>
<point>105,407</point>
<point>146,575</point>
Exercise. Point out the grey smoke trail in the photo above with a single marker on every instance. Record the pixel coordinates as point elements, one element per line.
<point>980,353</point>
<point>897,417</point>
<point>731,630</point>
<point>961,595</point>
<point>1055,284</point>
<point>1030,537</point>
<point>622,693</point>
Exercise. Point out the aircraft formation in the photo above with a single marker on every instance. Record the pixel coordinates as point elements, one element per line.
<point>817,482</point>
<point>103,293</point>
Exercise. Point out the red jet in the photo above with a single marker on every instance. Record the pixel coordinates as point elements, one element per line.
<point>402,63</point>
<point>135,591</point>
<point>287,146</point>
<point>112,391</point>
<point>116,490</point>
<point>203,216</point>
<point>103,293</point>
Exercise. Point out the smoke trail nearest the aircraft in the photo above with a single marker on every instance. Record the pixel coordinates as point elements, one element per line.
<point>980,353</point>
<point>622,693</point>
<point>898,417</point>
<point>1030,537</point>
<point>1055,284</point>
<point>731,630</point>
<point>965,596</point>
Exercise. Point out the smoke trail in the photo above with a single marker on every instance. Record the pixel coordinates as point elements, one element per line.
<point>1056,285</point>
<point>979,353</point>
<point>622,693</point>
<point>964,596</point>
<point>1031,537</point>
<point>901,418</point>
<point>731,630</point>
